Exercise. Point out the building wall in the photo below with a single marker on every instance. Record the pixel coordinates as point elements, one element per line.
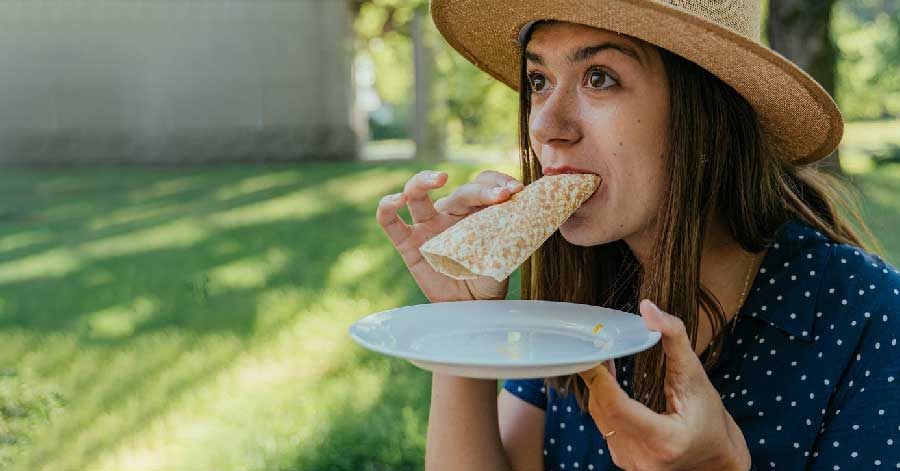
<point>172,81</point>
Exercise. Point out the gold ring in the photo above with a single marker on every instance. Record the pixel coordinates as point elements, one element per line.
<point>609,434</point>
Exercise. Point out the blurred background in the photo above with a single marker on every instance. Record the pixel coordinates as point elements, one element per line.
<point>187,221</point>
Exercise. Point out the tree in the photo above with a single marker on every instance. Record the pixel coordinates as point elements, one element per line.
<point>429,123</point>
<point>801,31</point>
<point>409,19</point>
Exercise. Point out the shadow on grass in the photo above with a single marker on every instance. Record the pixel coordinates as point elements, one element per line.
<point>211,286</point>
<point>387,434</point>
<point>180,281</point>
<point>66,206</point>
<point>126,331</point>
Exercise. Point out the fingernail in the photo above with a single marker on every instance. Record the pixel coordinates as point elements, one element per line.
<point>659,311</point>
<point>432,176</point>
<point>397,197</point>
<point>498,191</point>
<point>512,184</point>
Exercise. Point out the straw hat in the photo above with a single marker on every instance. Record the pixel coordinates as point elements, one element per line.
<point>722,36</point>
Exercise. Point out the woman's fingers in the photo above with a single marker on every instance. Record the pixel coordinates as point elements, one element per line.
<point>472,197</point>
<point>588,375</point>
<point>416,190</point>
<point>611,367</point>
<point>394,226</point>
<point>680,355</point>
<point>612,408</point>
<point>493,178</point>
<point>499,180</point>
<point>487,188</point>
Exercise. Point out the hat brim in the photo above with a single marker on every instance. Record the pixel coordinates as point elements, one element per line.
<point>802,120</point>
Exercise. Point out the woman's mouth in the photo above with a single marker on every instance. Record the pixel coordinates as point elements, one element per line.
<point>547,171</point>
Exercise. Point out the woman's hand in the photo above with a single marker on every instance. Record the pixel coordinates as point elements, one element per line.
<point>696,432</point>
<point>430,219</point>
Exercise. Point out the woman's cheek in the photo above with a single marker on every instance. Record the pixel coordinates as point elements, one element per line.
<point>535,147</point>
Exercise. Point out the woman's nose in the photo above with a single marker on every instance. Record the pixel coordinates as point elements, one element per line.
<point>555,120</point>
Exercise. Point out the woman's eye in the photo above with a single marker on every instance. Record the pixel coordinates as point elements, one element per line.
<point>538,82</point>
<point>600,79</point>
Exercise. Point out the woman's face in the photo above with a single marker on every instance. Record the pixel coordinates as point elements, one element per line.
<point>599,104</point>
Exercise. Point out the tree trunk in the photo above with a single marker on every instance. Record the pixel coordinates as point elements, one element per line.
<point>801,31</point>
<point>427,123</point>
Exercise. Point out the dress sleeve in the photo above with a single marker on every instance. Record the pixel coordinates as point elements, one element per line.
<point>861,427</point>
<point>531,391</point>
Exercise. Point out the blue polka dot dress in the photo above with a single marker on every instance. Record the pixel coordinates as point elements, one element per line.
<point>811,372</point>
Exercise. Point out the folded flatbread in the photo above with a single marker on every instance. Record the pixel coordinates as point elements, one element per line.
<point>497,239</point>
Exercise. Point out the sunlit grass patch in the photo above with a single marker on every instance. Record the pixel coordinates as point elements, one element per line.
<point>23,239</point>
<point>120,321</point>
<point>197,318</point>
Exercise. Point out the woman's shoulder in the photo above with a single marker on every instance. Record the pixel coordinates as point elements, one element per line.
<point>862,278</point>
<point>846,269</point>
<point>850,285</point>
<point>838,299</point>
<point>813,277</point>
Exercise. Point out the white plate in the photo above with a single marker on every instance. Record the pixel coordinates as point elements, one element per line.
<point>504,339</point>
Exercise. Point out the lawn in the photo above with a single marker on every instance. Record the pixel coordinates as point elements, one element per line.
<point>196,318</point>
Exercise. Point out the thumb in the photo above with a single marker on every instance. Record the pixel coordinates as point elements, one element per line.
<point>680,355</point>
<point>589,375</point>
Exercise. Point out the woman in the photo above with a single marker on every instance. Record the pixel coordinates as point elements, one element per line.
<point>781,348</point>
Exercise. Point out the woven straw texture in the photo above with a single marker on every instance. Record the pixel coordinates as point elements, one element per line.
<point>722,36</point>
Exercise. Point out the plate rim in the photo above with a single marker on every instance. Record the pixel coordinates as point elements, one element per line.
<point>653,338</point>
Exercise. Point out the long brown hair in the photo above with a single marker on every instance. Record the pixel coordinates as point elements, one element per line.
<point>721,166</point>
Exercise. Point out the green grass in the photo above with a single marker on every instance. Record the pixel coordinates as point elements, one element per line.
<point>196,318</point>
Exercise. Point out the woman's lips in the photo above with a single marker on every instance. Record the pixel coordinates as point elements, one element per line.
<point>565,169</point>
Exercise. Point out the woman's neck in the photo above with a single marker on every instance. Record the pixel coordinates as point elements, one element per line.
<point>719,251</point>
<point>726,270</point>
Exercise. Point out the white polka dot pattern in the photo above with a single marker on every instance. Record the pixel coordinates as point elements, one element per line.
<point>809,374</point>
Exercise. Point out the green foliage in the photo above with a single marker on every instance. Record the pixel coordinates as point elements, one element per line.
<point>26,403</point>
<point>395,128</point>
<point>392,55</point>
<point>383,34</point>
<point>867,33</point>
<point>484,109</point>
<point>479,108</point>
<point>375,18</point>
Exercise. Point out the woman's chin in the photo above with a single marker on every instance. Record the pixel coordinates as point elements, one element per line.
<point>576,232</point>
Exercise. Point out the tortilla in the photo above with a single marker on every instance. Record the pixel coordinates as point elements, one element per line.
<point>499,238</point>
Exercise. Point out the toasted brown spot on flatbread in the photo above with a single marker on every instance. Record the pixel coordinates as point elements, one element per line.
<point>497,239</point>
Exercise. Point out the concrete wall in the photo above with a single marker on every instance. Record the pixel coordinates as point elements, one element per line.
<point>175,80</point>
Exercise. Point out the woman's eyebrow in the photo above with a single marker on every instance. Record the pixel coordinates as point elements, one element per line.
<point>537,59</point>
<point>586,53</point>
